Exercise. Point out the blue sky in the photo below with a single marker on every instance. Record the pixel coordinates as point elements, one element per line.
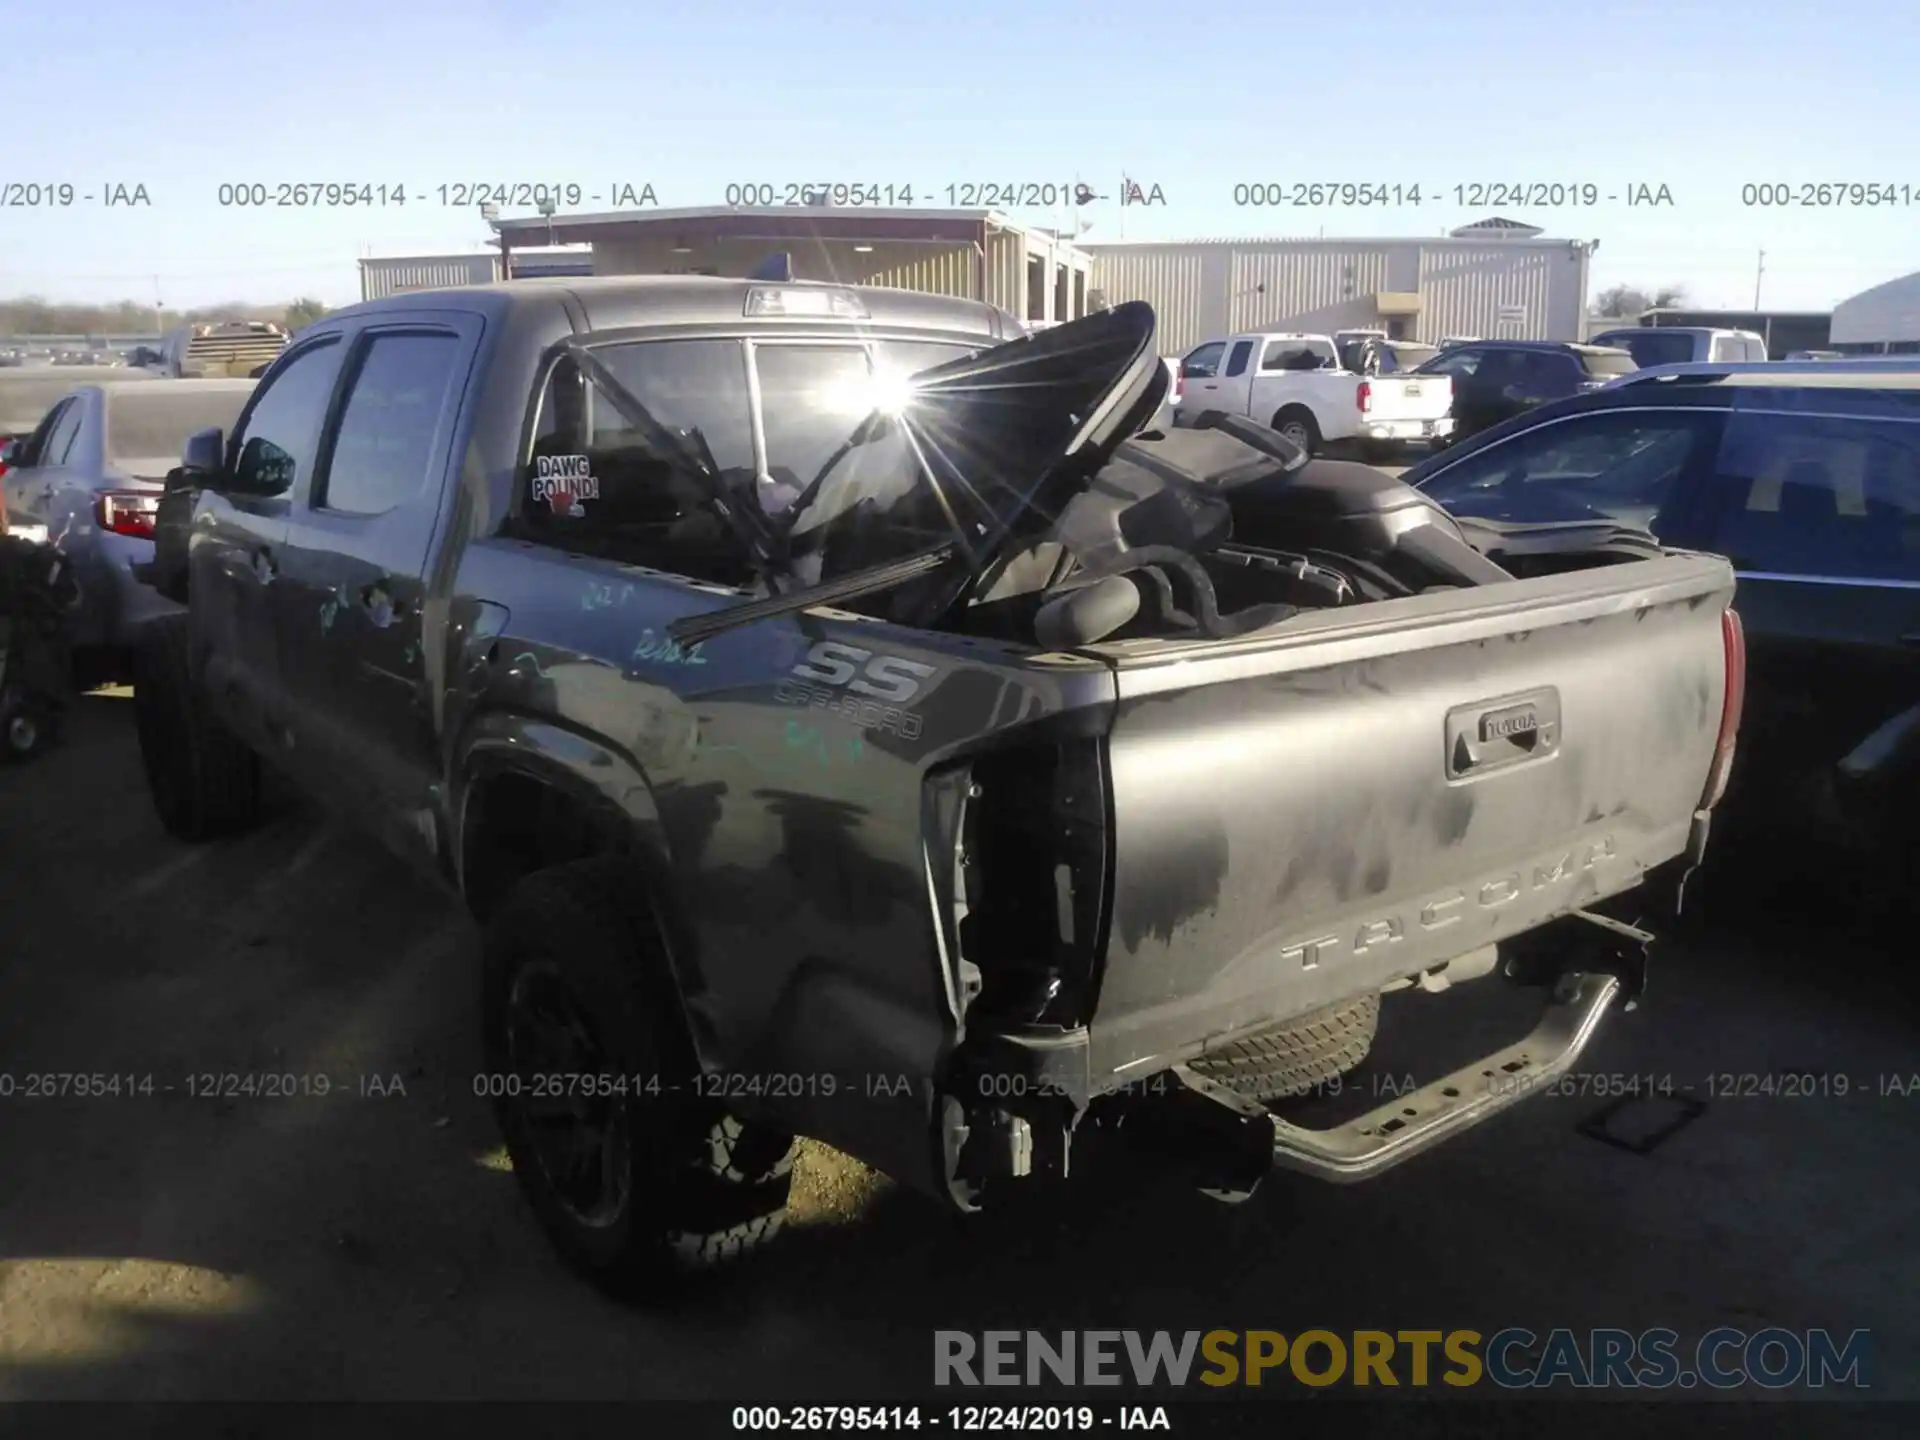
<point>1702,98</point>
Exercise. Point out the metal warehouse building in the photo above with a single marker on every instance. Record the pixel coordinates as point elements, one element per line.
<point>974,254</point>
<point>1882,321</point>
<point>396,274</point>
<point>1495,278</point>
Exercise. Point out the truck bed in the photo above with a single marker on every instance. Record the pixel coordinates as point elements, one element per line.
<point>1307,813</point>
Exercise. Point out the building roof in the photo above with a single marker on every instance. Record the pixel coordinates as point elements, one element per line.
<point>1456,240</point>
<point>768,222</point>
<point>616,301</point>
<point>1496,225</point>
<point>1889,312</point>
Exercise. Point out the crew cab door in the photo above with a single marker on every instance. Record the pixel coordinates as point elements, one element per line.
<point>353,581</point>
<point>1820,515</point>
<point>235,553</point>
<point>1200,379</point>
<point>1234,393</point>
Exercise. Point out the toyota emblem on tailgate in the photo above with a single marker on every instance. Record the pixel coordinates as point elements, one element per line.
<point>1497,734</point>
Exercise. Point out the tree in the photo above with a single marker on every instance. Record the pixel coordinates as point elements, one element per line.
<point>1625,302</point>
<point>303,312</point>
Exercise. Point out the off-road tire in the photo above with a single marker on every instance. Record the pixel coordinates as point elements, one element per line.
<point>702,1186</point>
<point>204,781</point>
<point>1294,1059</point>
<point>1310,428</point>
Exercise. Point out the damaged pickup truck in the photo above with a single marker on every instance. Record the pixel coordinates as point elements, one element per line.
<point>846,724</point>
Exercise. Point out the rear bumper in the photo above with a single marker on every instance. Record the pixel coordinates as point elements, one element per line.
<point>1404,432</point>
<point>1412,1123</point>
<point>1013,1108</point>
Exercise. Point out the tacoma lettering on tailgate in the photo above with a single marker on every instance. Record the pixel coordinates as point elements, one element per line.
<point>1451,907</point>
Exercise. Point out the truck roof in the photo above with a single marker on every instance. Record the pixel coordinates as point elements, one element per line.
<point>613,301</point>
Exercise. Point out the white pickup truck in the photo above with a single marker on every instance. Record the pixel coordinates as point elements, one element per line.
<point>1296,384</point>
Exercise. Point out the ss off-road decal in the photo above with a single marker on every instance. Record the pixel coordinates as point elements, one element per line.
<point>562,482</point>
<point>871,690</point>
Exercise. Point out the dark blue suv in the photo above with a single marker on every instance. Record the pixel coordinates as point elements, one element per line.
<point>1807,477</point>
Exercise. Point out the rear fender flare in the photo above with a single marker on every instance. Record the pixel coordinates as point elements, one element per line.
<point>604,781</point>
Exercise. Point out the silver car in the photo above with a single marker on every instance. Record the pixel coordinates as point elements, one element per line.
<point>89,479</point>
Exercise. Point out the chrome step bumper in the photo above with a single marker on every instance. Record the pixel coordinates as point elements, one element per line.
<point>1408,1124</point>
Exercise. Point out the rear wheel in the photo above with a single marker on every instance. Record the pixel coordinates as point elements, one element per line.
<point>1298,425</point>
<point>204,781</point>
<point>635,1174</point>
<point>29,724</point>
<point>1295,1058</point>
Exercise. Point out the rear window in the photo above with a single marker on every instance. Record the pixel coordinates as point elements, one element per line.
<point>1651,347</point>
<point>1821,494</point>
<point>1606,366</point>
<point>154,423</point>
<point>612,488</point>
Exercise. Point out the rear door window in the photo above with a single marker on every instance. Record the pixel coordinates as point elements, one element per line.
<point>61,437</point>
<point>35,451</point>
<point>1820,496</point>
<point>1237,360</point>
<point>1621,465</point>
<point>602,483</point>
<point>1547,374</point>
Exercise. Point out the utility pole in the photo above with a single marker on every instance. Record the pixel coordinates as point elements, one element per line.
<point>1759,271</point>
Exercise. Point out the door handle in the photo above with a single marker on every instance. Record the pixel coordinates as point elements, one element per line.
<point>376,598</point>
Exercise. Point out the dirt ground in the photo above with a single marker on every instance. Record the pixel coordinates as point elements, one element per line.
<point>373,1244</point>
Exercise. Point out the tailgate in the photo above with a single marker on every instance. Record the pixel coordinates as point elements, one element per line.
<point>1303,814</point>
<point>1404,397</point>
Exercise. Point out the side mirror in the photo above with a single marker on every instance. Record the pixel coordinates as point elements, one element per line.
<point>262,468</point>
<point>203,454</point>
<point>10,453</point>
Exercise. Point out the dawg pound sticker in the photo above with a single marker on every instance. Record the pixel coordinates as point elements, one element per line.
<point>562,482</point>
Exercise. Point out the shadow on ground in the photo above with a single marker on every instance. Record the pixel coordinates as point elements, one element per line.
<point>364,1245</point>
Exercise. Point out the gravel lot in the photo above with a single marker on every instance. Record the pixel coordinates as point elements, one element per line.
<point>374,1246</point>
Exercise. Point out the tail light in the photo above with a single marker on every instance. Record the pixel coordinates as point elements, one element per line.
<point>1734,637</point>
<point>1179,385</point>
<point>1363,397</point>
<point>126,512</point>
<point>1034,847</point>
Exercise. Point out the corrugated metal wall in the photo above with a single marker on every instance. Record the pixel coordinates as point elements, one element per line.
<point>933,269</point>
<point>1496,291</point>
<point>936,269</point>
<point>394,274</point>
<point>1207,289</point>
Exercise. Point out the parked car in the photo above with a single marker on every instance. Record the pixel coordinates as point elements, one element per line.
<point>1450,340</point>
<point>88,481</point>
<point>1296,384</point>
<point>1495,379</point>
<point>1005,764</point>
<point>1808,479</point>
<point>1684,344</point>
<point>1385,357</point>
